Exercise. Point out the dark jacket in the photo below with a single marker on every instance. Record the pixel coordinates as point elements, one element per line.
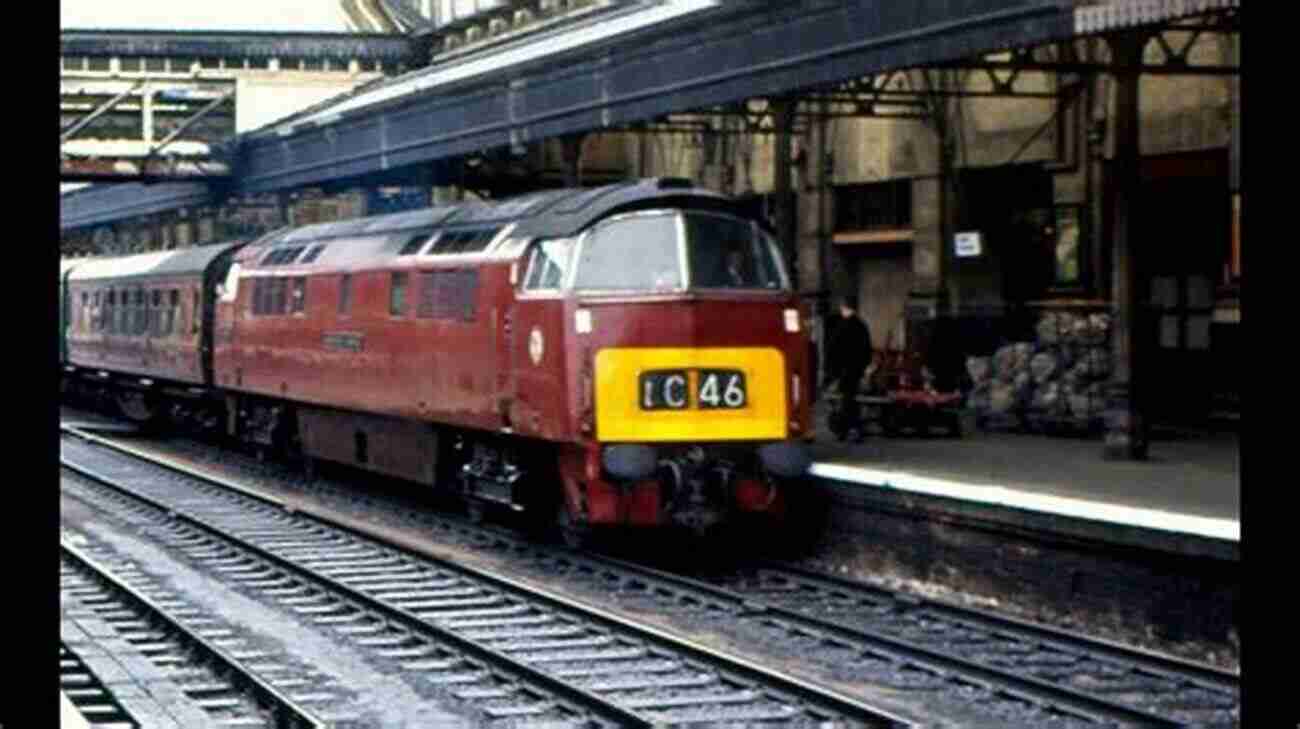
<point>849,353</point>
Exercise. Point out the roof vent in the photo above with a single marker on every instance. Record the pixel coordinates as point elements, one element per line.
<point>674,182</point>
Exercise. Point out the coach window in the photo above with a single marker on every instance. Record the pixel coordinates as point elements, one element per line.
<point>173,311</point>
<point>547,264</point>
<point>84,321</point>
<point>110,311</point>
<point>196,313</point>
<point>397,295</point>
<point>345,295</point>
<point>156,313</point>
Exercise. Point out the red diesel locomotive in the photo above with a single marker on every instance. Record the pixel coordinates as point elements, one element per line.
<point>629,355</point>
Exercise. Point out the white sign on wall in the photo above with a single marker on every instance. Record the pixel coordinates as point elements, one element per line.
<point>969,244</point>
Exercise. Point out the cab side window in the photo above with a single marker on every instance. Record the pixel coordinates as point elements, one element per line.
<point>548,264</point>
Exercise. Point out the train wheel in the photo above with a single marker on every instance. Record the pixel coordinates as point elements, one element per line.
<point>476,511</point>
<point>575,536</point>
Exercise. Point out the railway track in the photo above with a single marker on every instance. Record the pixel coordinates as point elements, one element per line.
<point>1054,676</point>
<point>89,696</point>
<point>510,648</point>
<point>210,677</point>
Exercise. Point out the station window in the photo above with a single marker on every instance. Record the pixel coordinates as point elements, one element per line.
<point>1067,239</point>
<point>210,62</point>
<point>259,63</point>
<point>234,63</point>
<point>155,64</point>
<point>74,63</point>
<point>183,65</point>
<point>313,64</point>
<point>873,206</point>
<point>97,63</point>
<point>130,64</point>
<point>298,297</point>
<point>345,294</point>
<point>397,295</point>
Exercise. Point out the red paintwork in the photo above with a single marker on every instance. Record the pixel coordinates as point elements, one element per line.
<point>174,358</point>
<point>480,374</point>
<point>434,370</point>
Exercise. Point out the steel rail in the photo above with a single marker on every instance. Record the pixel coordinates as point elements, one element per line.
<point>1013,683</point>
<point>80,685</point>
<point>1054,637</point>
<point>395,615</point>
<point>1020,685</point>
<point>287,714</point>
<point>728,665</point>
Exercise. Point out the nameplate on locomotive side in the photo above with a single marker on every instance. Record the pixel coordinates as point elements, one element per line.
<point>343,341</point>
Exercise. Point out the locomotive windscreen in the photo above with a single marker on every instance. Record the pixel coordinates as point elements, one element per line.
<point>643,252</point>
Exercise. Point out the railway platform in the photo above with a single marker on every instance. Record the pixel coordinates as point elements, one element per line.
<point>1184,498</point>
<point>1044,521</point>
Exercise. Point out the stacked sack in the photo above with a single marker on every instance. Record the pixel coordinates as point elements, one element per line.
<point>1057,379</point>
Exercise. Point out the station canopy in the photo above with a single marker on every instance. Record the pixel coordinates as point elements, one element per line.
<point>271,16</point>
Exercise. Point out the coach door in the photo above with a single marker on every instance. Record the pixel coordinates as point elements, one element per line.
<point>537,357</point>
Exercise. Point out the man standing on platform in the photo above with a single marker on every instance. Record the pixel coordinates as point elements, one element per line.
<point>848,357</point>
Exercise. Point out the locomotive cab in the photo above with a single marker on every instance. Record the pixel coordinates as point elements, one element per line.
<point>682,365</point>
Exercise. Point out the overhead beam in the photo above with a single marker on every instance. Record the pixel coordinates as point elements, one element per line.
<point>1174,69</point>
<point>189,123</point>
<point>719,56</point>
<point>75,127</point>
<point>241,44</point>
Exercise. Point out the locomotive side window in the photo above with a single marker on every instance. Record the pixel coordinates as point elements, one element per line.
<point>449,295</point>
<point>313,253</point>
<point>196,312</point>
<point>298,302</point>
<point>277,296</point>
<point>345,294</point>
<point>547,264</point>
<point>650,240</point>
<point>258,304</point>
<point>397,295</point>
<point>729,253</point>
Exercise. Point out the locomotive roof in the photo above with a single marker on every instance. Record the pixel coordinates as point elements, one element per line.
<point>551,213</point>
<point>182,262</point>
